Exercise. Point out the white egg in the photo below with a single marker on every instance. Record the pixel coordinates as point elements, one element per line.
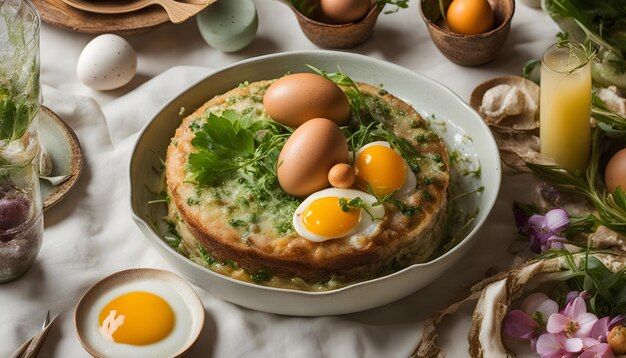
<point>166,347</point>
<point>367,224</point>
<point>410,181</point>
<point>107,62</point>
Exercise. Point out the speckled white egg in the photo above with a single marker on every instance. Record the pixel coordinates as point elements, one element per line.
<point>107,62</point>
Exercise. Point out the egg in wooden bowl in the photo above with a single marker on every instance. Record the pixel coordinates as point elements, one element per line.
<point>468,32</point>
<point>139,313</point>
<point>336,23</point>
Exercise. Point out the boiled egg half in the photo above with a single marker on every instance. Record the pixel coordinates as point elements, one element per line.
<point>382,170</point>
<point>334,213</point>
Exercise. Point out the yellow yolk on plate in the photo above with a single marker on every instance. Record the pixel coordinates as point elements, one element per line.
<point>137,318</point>
<point>380,168</point>
<point>324,217</point>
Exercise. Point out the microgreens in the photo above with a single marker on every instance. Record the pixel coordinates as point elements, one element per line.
<point>355,204</point>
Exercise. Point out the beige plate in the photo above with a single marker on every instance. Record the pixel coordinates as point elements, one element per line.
<point>159,277</point>
<point>59,14</point>
<point>67,158</point>
<point>527,120</point>
<point>177,11</point>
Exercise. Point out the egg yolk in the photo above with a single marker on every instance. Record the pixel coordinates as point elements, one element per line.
<point>469,17</point>
<point>380,168</point>
<point>324,217</point>
<point>137,318</point>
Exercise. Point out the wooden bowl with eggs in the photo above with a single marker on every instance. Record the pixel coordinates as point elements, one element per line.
<point>468,34</point>
<point>350,27</point>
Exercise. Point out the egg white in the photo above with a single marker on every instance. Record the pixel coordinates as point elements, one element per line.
<point>164,348</point>
<point>410,181</point>
<point>366,225</point>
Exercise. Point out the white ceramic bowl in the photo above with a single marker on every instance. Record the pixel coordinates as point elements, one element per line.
<point>463,131</point>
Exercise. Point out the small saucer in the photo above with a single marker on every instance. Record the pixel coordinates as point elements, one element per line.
<point>179,294</point>
<point>67,158</point>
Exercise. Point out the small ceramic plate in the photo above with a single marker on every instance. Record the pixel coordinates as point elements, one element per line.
<point>180,296</point>
<point>67,158</point>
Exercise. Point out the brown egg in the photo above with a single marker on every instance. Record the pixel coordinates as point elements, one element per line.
<point>343,11</point>
<point>615,172</point>
<point>341,176</point>
<point>294,99</point>
<point>308,155</point>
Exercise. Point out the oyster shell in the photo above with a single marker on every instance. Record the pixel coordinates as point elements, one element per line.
<point>494,296</point>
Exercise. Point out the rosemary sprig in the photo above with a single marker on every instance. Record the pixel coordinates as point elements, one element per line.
<point>585,49</point>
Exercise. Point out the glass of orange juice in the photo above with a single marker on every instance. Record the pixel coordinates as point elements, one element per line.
<point>565,107</point>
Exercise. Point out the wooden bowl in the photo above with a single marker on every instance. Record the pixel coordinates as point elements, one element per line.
<point>468,50</point>
<point>336,36</point>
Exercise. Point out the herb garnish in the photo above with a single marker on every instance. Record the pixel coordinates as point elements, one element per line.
<point>585,49</point>
<point>353,204</point>
<point>230,142</point>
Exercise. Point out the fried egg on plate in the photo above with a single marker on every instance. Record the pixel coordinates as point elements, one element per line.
<point>320,216</point>
<point>139,319</point>
<point>383,170</point>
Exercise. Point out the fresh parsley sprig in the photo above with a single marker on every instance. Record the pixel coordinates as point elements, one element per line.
<point>230,142</point>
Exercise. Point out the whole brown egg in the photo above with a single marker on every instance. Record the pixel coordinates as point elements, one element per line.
<point>344,11</point>
<point>309,153</point>
<point>294,99</point>
<point>615,173</point>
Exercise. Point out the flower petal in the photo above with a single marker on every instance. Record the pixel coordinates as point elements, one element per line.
<point>576,308</point>
<point>548,345</point>
<point>600,350</point>
<point>572,345</point>
<point>556,323</point>
<point>556,220</point>
<point>600,329</point>
<point>539,302</point>
<point>585,324</point>
<point>537,223</point>
<point>518,324</point>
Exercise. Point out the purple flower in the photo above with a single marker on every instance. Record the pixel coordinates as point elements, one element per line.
<point>558,346</point>
<point>524,324</point>
<point>545,230</point>
<point>575,321</point>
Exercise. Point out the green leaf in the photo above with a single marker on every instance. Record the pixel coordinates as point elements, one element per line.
<point>619,198</point>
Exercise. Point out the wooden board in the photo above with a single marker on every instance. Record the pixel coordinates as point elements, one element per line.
<point>57,13</point>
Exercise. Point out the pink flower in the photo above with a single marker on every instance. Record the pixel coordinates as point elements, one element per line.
<point>600,329</point>
<point>575,321</point>
<point>558,346</point>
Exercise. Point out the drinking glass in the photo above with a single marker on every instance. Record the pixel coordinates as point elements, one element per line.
<point>565,107</point>
<point>21,217</point>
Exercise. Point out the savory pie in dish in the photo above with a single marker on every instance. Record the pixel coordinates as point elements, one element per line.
<point>233,216</point>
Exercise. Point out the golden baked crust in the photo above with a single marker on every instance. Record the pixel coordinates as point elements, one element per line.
<point>401,239</point>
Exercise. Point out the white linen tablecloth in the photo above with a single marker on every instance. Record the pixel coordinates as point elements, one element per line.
<point>90,234</point>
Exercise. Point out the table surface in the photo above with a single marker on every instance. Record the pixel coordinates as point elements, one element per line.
<point>90,234</point>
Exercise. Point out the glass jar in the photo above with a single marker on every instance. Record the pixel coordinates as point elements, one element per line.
<point>21,218</point>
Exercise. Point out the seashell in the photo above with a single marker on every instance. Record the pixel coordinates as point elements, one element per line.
<point>498,101</point>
